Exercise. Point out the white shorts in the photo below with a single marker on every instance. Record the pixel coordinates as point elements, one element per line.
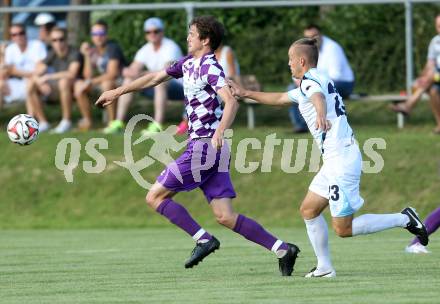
<point>338,181</point>
<point>17,89</point>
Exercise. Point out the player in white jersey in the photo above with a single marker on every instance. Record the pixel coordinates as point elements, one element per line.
<point>337,182</point>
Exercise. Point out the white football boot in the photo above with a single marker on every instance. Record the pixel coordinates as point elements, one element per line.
<point>416,248</point>
<point>314,273</point>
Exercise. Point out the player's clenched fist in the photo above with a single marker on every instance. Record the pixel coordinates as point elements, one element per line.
<point>322,124</point>
<point>217,139</point>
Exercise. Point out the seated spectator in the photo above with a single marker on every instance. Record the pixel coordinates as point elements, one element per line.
<point>21,57</point>
<point>334,63</point>
<point>45,22</point>
<point>3,72</point>
<point>429,80</point>
<point>226,58</point>
<point>158,53</point>
<point>103,63</point>
<point>55,78</point>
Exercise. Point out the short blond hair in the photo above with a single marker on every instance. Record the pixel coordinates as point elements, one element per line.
<point>309,48</point>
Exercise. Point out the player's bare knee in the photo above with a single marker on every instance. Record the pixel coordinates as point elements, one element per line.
<point>153,199</point>
<point>307,212</point>
<point>225,219</point>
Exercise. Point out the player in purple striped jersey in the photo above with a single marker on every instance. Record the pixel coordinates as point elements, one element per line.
<point>203,82</point>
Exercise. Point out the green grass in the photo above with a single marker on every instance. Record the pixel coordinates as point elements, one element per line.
<point>34,193</point>
<point>146,266</point>
<point>65,261</point>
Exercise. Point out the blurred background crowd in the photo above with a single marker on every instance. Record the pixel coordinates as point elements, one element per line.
<point>46,61</point>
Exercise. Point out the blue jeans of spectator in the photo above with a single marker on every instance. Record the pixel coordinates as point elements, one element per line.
<point>344,88</point>
<point>174,91</point>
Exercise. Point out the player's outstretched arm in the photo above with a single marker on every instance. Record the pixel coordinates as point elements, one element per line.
<point>146,81</point>
<point>272,98</point>
<point>318,101</point>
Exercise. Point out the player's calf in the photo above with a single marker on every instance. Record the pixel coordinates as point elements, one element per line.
<point>343,226</point>
<point>342,231</point>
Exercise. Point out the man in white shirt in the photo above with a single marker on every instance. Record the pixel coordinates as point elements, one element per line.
<point>3,72</point>
<point>158,53</point>
<point>428,81</point>
<point>21,57</point>
<point>332,62</point>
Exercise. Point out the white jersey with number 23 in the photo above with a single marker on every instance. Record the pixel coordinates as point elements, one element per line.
<point>340,133</point>
<point>339,177</point>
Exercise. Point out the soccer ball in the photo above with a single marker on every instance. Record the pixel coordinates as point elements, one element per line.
<point>23,129</point>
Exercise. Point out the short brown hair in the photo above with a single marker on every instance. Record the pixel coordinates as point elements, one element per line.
<point>20,25</point>
<point>309,48</point>
<point>101,23</point>
<point>209,27</point>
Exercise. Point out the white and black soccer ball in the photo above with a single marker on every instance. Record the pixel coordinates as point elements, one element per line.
<point>23,129</point>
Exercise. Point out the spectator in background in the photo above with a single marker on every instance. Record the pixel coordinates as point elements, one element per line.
<point>3,72</point>
<point>157,54</point>
<point>428,80</point>
<point>226,58</point>
<point>103,63</point>
<point>333,62</point>
<point>21,57</point>
<point>45,22</point>
<point>55,78</point>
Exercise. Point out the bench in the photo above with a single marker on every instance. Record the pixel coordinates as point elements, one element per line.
<point>396,98</point>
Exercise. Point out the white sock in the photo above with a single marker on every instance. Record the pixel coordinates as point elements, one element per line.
<point>318,235</point>
<point>196,237</point>
<point>371,223</point>
<point>278,252</point>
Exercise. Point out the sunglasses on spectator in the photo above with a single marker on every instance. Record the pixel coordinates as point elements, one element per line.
<point>22,33</point>
<point>61,39</point>
<point>99,33</point>
<point>153,32</point>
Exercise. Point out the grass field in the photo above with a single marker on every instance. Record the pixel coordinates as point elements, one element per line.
<point>35,194</point>
<point>52,252</point>
<point>146,266</point>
